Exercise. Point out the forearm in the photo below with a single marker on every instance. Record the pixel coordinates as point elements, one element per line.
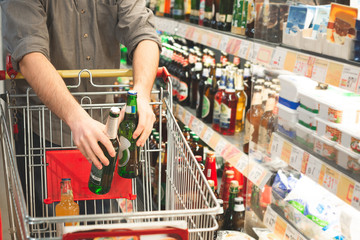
<point>145,64</point>
<point>50,87</point>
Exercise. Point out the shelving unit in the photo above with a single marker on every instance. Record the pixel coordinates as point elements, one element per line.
<point>325,69</point>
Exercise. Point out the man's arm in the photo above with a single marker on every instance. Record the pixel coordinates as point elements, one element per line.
<point>145,65</point>
<point>52,91</point>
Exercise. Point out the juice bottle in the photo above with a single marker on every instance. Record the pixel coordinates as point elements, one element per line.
<point>67,206</point>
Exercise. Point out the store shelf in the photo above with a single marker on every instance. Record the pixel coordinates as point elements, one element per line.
<point>344,185</point>
<point>281,227</point>
<point>326,69</point>
<point>227,146</point>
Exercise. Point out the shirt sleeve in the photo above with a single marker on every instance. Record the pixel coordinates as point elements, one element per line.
<point>135,23</point>
<point>25,28</point>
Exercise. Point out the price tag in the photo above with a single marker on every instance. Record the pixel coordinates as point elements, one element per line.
<point>208,134</point>
<point>189,33</point>
<point>270,218</point>
<point>181,30</point>
<point>331,180</point>
<point>215,41</point>
<point>278,58</point>
<point>223,43</point>
<point>286,152</point>
<point>180,111</point>
<point>319,70</point>
<point>301,237</point>
<point>280,226</point>
<point>301,64</point>
<point>187,118</point>
<point>290,233</point>
<point>296,158</point>
<point>346,190</point>
<point>244,49</point>
<point>349,78</point>
<point>197,35</point>
<point>197,126</point>
<point>276,146</point>
<point>242,164</point>
<point>264,55</point>
<point>257,174</point>
<point>313,168</point>
<point>333,74</point>
<point>355,202</point>
<point>220,146</point>
<point>254,52</point>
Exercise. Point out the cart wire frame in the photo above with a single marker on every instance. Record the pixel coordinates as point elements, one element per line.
<point>188,196</point>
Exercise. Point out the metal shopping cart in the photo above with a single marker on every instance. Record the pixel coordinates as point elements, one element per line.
<point>188,197</point>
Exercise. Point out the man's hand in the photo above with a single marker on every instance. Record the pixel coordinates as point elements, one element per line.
<point>146,120</point>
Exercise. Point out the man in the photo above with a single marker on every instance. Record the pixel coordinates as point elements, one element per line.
<point>45,35</point>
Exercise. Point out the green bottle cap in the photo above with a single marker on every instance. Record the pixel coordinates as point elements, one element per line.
<point>157,138</point>
<point>156,134</point>
<point>192,134</point>
<point>153,130</point>
<point>196,138</point>
<point>187,129</point>
<point>132,92</point>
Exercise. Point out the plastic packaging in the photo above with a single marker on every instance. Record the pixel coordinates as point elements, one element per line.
<point>325,148</point>
<point>307,119</point>
<point>328,130</point>
<point>287,119</point>
<point>305,136</point>
<point>351,138</point>
<point>308,100</point>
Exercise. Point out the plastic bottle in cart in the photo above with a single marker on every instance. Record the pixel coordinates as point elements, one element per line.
<point>218,99</point>
<point>230,211</point>
<point>129,153</point>
<point>210,168</point>
<point>100,179</point>
<point>67,206</point>
<point>253,117</point>
<point>228,107</point>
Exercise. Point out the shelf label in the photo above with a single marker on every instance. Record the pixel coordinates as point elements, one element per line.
<point>233,46</point>
<point>214,41</point>
<point>286,152</point>
<point>254,52</point>
<point>349,78</point>
<point>296,158</point>
<point>187,118</point>
<point>197,126</point>
<point>313,168</point>
<point>264,55</point>
<point>208,135</point>
<point>355,201</point>
<point>290,233</point>
<point>319,70</point>
<point>244,49</point>
<point>242,164</point>
<point>301,64</point>
<point>181,30</point>
<point>280,227</point>
<point>270,218</point>
<point>180,111</point>
<point>331,180</point>
<point>214,140</point>
<point>276,146</point>
<point>334,74</point>
<point>257,174</point>
<point>278,59</point>
<point>189,33</point>
<point>290,61</point>
<point>346,189</point>
<point>223,42</point>
<point>220,146</point>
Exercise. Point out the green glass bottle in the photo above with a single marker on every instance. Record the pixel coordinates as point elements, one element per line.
<point>178,10</point>
<point>230,211</point>
<point>129,154</point>
<point>101,179</point>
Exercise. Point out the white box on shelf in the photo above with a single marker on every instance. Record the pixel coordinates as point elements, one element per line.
<point>345,51</point>
<point>311,44</point>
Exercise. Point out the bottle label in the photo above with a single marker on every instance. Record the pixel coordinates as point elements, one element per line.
<point>225,116</point>
<point>239,208</point>
<point>270,104</point>
<point>222,17</point>
<point>178,12</point>
<point>216,116</point>
<point>183,91</point>
<point>130,109</point>
<point>124,153</point>
<point>239,110</point>
<point>195,13</point>
<point>256,99</point>
<point>95,175</point>
<point>247,131</point>
<point>217,16</point>
<point>208,15</point>
<point>205,107</point>
<point>111,127</point>
<point>229,18</point>
<point>264,139</point>
<point>218,73</point>
<point>208,174</point>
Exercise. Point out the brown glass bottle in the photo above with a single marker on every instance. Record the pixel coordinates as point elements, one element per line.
<point>196,147</point>
<point>247,85</point>
<point>239,215</point>
<point>267,123</point>
<point>212,186</point>
<point>242,98</point>
<point>195,79</point>
<point>252,121</point>
<point>209,97</point>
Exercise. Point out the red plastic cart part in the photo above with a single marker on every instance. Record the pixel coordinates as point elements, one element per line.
<point>72,164</point>
<point>174,233</point>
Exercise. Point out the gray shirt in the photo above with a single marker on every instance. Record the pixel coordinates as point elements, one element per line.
<point>74,34</point>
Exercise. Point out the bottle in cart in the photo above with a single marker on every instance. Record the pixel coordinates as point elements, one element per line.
<point>253,117</point>
<point>228,107</point>
<point>100,179</point>
<point>129,153</point>
<point>218,99</point>
<point>230,211</point>
<point>67,206</point>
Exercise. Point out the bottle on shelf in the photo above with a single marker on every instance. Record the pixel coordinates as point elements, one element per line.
<point>218,99</point>
<point>225,15</point>
<point>201,12</point>
<point>265,93</point>
<point>212,186</point>
<point>200,92</point>
<point>267,123</point>
<point>228,107</point>
<point>230,212</point>
<point>67,206</point>
<point>186,132</point>
<point>216,14</point>
<point>224,58</point>
<point>194,14</point>
<point>178,10</point>
<point>241,96</point>
<point>184,82</point>
<point>129,153</point>
<point>220,217</point>
<point>252,121</point>
<point>160,8</point>
<point>100,179</point>
<point>237,62</point>
<point>237,26</point>
<point>239,215</point>
<point>167,8</point>
<point>247,85</point>
<point>209,5</point>
<point>187,9</point>
<point>250,21</point>
<point>192,134</point>
<point>227,167</point>
<point>210,168</point>
<point>199,159</point>
<point>196,147</point>
<point>225,192</point>
<point>195,80</point>
<point>209,98</point>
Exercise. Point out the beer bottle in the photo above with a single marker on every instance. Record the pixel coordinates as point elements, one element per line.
<point>216,14</point>
<point>230,212</point>
<point>267,123</point>
<point>178,10</point>
<point>200,162</point>
<point>194,14</point>
<point>209,11</point>
<point>239,215</point>
<point>247,85</point>
<point>208,101</point>
<point>200,92</point>
<point>225,193</point>
<point>252,121</point>
<point>195,80</point>
<point>129,154</point>
<point>219,217</point>
<point>212,186</point>
<point>184,82</point>
<point>225,15</point>
<point>186,133</point>
<point>217,102</point>
<point>163,176</point>
<point>241,96</point>
<point>100,179</point>
<point>196,147</point>
<point>67,206</point>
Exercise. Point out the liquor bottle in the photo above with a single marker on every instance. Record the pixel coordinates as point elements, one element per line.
<point>178,10</point>
<point>219,217</point>
<point>218,99</point>
<point>225,193</point>
<point>167,8</point>
<point>100,179</point>
<point>67,206</point>
<point>216,14</point>
<point>192,135</point>
<point>241,96</point>
<point>160,8</point>
<point>209,11</point>
<point>227,167</point>
<point>225,15</point>
<point>265,93</point>
<point>194,15</point>
<point>212,186</point>
<point>196,147</point>
<point>195,80</point>
<point>210,168</point>
<point>267,123</point>
<point>247,85</point>
<point>224,58</point>
<point>250,21</point>
<point>201,12</point>
<point>209,98</point>
<point>199,160</point>
<point>186,133</point>
<point>236,25</point>
<point>187,9</point>
<point>229,212</point>
<point>228,107</point>
<point>200,92</point>
<point>252,121</point>
<point>184,83</point>
<point>239,215</point>
<point>237,62</point>
<point>129,165</point>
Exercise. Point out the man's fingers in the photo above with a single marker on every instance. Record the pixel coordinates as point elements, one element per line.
<point>99,154</point>
<point>139,129</point>
<point>93,158</point>
<point>109,147</point>
<point>145,134</point>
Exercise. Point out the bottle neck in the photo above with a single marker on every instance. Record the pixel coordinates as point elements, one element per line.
<point>256,100</point>
<point>111,127</point>
<point>66,192</point>
<point>131,107</point>
<point>270,104</point>
<point>233,194</point>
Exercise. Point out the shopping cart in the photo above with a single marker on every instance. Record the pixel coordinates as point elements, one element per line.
<point>188,197</point>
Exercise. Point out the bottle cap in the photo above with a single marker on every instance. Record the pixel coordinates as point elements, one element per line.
<point>153,130</point>
<point>157,138</point>
<point>186,128</point>
<point>210,153</point>
<point>234,184</point>
<point>192,134</point>
<point>132,92</point>
<point>211,183</point>
<point>198,158</point>
<point>196,138</point>
<point>239,200</point>
<point>229,173</point>
<point>156,134</point>
<point>220,201</point>
<point>115,110</point>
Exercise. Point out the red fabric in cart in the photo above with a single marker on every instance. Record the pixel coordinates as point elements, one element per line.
<point>72,164</point>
